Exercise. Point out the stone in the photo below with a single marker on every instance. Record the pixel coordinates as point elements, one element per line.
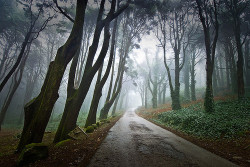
<point>77,134</point>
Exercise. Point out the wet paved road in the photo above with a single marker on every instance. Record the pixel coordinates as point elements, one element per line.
<point>136,142</point>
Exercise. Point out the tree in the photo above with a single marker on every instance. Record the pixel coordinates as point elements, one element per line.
<point>154,78</point>
<point>33,33</point>
<point>209,19</point>
<point>38,111</point>
<point>16,80</point>
<point>193,62</point>
<point>75,97</point>
<point>91,119</point>
<point>176,20</point>
<point>236,8</point>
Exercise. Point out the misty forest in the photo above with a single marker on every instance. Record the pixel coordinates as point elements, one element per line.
<point>124,83</point>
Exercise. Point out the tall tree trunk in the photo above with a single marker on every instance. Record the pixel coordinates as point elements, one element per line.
<point>215,80</point>
<point>235,9</point>
<point>193,81</point>
<point>91,119</point>
<point>222,77</point>
<point>70,114</point>
<point>146,96</point>
<point>210,49</point>
<point>227,71</point>
<point>115,105</point>
<point>240,61</point>
<point>186,79</point>
<point>164,94</point>
<point>176,104</point>
<point>38,111</point>
<point>105,110</point>
<point>247,64</point>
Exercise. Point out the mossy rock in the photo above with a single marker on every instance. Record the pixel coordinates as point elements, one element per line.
<point>33,152</point>
<point>95,126</point>
<point>61,143</point>
<point>90,129</point>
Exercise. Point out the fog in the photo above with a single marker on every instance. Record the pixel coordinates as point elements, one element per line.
<point>135,54</point>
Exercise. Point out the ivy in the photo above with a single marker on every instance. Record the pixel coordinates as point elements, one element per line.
<point>230,119</point>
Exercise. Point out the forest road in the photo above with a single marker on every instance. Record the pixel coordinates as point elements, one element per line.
<point>136,142</point>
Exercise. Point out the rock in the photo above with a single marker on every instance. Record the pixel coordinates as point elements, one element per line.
<point>77,134</point>
<point>90,129</point>
<point>32,152</point>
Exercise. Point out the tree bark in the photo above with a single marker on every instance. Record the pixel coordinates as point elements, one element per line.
<point>38,111</point>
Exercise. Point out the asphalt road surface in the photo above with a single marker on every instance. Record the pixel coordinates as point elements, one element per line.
<point>136,142</point>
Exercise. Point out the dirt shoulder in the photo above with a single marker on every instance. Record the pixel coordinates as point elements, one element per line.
<point>235,150</point>
<point>72,153</point>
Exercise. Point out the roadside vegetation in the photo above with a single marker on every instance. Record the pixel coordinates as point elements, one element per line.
<point>230,119</point>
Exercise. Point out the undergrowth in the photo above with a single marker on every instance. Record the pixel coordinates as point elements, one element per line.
<point>230,119</point>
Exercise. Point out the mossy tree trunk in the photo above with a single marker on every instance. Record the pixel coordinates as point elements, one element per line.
<point>91,119</point>
<point>247,63</point>
<point>38,111</point>
<point>240,61</point>
<point>205,19</point>
<point>77,97</point>
<point>232,72</point>
<point>116,90</point>
<point>153,90</point>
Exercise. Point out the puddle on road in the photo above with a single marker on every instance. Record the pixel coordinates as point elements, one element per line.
<point>138,127</point>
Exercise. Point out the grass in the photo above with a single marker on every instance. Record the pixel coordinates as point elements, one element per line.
<point>230,119</point>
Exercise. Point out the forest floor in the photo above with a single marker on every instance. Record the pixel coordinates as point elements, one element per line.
<point>71,153</point>
<point>236,150</point>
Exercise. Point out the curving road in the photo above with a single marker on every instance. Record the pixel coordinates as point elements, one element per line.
<point>136,142</point>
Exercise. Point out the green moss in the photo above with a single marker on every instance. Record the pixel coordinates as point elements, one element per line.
<point>61,143</point>
<point>98,124</point>
<point>30,102</point>
<point>90,129</point>
<point>35,144</point>
<point>95,126</point>
<point>104,120</point>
